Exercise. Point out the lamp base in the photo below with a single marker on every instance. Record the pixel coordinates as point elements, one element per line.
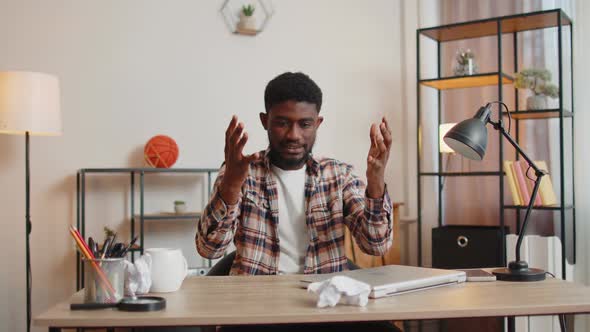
<point>519,271</point>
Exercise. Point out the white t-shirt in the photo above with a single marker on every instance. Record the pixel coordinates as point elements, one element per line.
<point>293,238</point>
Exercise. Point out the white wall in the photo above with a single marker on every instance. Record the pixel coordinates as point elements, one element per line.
<point>581,139</point>
<point>133,69</point>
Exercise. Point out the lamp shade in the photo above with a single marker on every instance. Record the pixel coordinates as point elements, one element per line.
<point>469,138</point>
<point>443,129</point>
<point>30,102</point>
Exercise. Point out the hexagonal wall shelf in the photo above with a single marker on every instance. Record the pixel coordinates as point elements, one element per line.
<point>238,23</point>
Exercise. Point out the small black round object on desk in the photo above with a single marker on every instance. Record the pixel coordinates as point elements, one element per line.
<point>140,303</point>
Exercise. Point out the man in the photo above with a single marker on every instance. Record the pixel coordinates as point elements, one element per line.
<point>285,209</point>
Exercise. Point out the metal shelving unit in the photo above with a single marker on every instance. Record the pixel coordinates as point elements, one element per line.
<point>499,27</point>
<point>134,174</point>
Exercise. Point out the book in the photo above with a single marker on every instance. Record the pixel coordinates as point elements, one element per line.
<point>530,178</point>
<point>512,182</point>
<point>525,196</point>
<point>546,187</point>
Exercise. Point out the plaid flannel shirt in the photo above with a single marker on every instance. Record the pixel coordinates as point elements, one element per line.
<point>334,198</point>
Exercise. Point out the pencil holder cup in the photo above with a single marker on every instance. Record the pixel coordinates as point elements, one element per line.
<point>104,280</point>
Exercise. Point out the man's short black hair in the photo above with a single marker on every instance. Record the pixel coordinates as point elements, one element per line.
<point>292,86</point>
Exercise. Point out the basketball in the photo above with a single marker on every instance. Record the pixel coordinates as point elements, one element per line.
<point>161,151</point>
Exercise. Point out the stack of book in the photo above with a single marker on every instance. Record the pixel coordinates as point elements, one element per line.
<point>521,183</point>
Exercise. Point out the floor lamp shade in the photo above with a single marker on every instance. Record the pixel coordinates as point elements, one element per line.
<point>29,102</point>
<point>29,105</point>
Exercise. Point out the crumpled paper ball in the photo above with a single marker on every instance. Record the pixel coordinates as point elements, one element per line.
<point>138,278</point>
<point>340,289</point>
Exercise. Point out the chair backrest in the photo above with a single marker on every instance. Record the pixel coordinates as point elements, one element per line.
<point>223,266</point>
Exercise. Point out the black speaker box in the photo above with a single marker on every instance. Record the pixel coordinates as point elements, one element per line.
<point>464,247</point>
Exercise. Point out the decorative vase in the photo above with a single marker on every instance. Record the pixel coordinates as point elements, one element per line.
<point>536,102</point>
<point>464,63</point>
<point>247,22</point>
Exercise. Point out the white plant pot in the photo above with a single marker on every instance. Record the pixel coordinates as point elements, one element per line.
<point>247,22</point>
<point>180,208</point>
<point>536,102</point>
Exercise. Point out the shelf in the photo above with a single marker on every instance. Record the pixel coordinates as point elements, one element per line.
<point>170,216</point>
<point>553,208</point>
<point>461,173</point>
<point>471,81</point>
<point>247,32</point>
<point>501,33</point>
<point>539,114</point>
<point>489,27</point>
<point>136,192</point>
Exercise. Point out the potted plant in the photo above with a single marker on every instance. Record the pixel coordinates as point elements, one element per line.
<point>247,20</point>
<point>465,63</point>
<point>536,80</point>
<point>179,207</point>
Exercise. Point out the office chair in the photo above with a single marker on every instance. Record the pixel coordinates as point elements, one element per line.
<point>222,267</point>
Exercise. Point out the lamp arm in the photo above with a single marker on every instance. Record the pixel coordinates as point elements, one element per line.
<point>498,126</point>
<point>539,173</point>
<point>526,216</point>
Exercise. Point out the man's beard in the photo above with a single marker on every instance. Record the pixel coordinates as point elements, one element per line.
<point>278,160</point>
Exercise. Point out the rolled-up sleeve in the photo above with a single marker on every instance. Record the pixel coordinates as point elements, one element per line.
<point>369,219</point>
<point>216,227</point>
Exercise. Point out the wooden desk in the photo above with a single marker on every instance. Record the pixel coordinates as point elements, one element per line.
<point>279,299</point>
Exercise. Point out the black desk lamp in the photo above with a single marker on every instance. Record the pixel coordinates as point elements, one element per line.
<point>470,139</point>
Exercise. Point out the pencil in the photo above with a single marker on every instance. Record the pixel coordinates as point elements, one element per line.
<point>105,284</point>
<point>104,281</point>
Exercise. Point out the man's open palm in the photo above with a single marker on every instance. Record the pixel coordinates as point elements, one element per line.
<point>236,163</point>
<point>380,145</point>
<point>381,140</point>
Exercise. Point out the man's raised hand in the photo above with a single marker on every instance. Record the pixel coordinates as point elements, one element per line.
<point>236,163</point>
<point>381,140</point>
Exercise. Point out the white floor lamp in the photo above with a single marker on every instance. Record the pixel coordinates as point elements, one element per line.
<point>29,105</point>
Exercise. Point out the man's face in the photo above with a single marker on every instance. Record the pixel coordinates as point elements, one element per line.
<point>291,128</point>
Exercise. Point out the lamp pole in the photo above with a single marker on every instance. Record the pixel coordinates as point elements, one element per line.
<point>28,227</point>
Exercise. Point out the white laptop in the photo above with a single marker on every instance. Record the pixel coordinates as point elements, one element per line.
<point>396,279</point>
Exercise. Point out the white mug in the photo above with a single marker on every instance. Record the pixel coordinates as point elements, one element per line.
<point>168,269</point>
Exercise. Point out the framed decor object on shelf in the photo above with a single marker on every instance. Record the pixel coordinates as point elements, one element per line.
<point>246,17</point>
